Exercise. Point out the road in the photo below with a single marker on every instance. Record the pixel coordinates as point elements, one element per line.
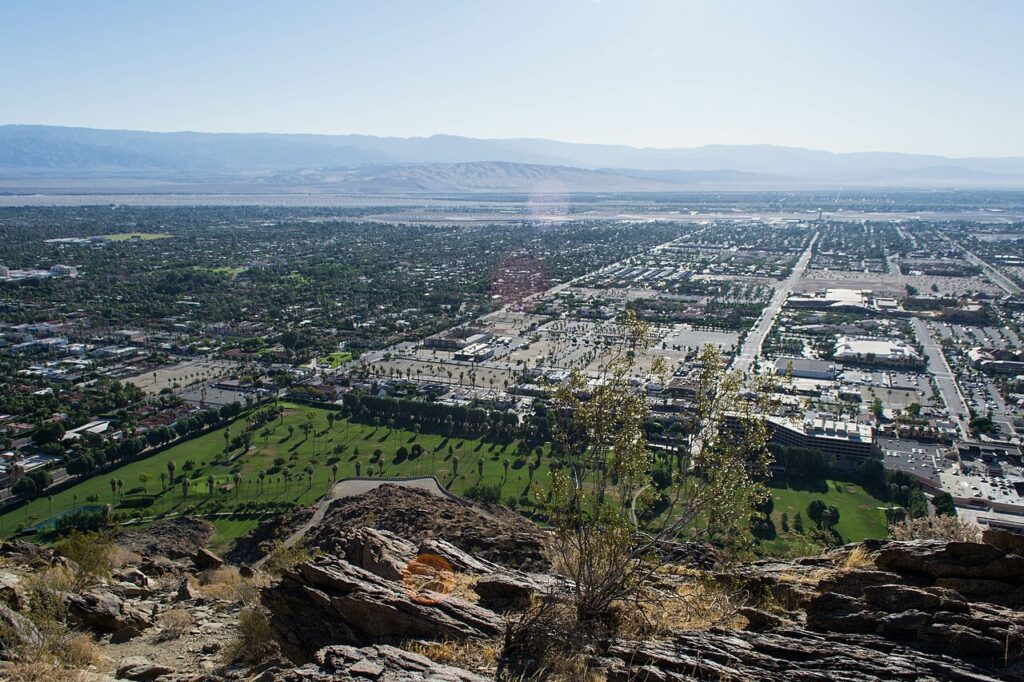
<point>356,486</point>
<point>939,368</point>
<point>1004,282</point>
<point>755,338</point>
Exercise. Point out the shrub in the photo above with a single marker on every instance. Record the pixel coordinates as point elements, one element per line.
<point>176,623</point>
<point>282,558</point>
<point>254,640</point>
<point>91,551</point>
<point>938,528</point>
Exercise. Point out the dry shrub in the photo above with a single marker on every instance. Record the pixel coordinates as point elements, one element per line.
<point>176,623</point>
<point>470,654</point>
<point>221,583</point>
<point>698,604</point>
<point>79,650</point>
<point>254,640</point>
<point>859,557</point>
<point>938,528</point>
<point>122,556</point>
<point>39,671</point>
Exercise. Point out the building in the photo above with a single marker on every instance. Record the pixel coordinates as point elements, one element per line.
<point>804,368</point>
<point>476,352</point>
<point>457,339</point>
<point>848,444</point>
<point>876,351</point>
<point>64,271</point>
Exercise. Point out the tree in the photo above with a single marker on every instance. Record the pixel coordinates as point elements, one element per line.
<point>334,471</point>
<point>210,481</point>
<point>798,523</point>
<point>144,479</point>
<point>943,503</point>
<point>815,511</point>
<point>598,496</point>
<point>185,485</point>
<point>170,471</point>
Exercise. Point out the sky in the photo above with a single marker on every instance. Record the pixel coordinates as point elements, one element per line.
<point>922,76</point>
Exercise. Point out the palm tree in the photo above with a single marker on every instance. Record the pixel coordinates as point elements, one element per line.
<point>113,489</point>
<point>480,466</point>
<point>455,465</point>
<point>505,463</point>
<point>170,471</point>
<point>309,476</point>
<point>210,480</point>
<point>263,475</point>
<point>185,485</point>
<point>334,471</point>
<point>163,480</point>
<point>120,484</point>
<point>237,478</point>
<point>359,465</point>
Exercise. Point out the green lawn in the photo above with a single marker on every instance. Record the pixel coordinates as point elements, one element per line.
<point>336,359</point>
<point>861,516</point>
<point>349,443</point>
<point>144,236</point>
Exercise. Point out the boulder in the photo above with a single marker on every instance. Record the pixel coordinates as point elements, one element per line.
<point>205,560</point>
<point>104,611</point>
<point>508,589</point>
<point>12,592</point>
<point>940,559</point>
<point>330,601</point>
<point>1006,540</point>
<point>125,634</point>
<point>141,668</point>
<point>16,629</point>
<point>187,590</point>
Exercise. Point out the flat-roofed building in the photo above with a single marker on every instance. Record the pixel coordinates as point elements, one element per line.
<point>804,368</point>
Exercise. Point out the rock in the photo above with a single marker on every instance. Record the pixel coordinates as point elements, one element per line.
<point>130,590</point>
<point>329,601</point>
<point>246,571</point>
<point>103,610</point>
<point>141,668</point>
<point>205,560</point>
<point>378,551</point>
<point>780,656</point>
<point>380,662</point>
<point>16,629</point>
<point>187,590</point>
<point>759,620</point>
<point>177,538</point>
<point>12,592</point>
<point>1006,540</point>
<point>494,535</point>
<point>893,598</point>
<point>133,576</point>
<point>941,559</point>
<point>513,590</point>
<point>125,634</point>
<point>160,565</point>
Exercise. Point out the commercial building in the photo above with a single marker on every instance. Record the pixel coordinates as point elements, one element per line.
<point>876,351</point>
<point>847,444</point>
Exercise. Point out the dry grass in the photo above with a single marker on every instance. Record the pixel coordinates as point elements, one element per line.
<point>859,557</point>
<point>38,671</point>
<point>470,654</point>
<point>694,605</point>
<point>221,583</point>
<point>79,650</point>
<point>122,556</point>
<point>176,623</point>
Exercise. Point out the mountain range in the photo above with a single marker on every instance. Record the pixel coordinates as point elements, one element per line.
<point>48,157</point>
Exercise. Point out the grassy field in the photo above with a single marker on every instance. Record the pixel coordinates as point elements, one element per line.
<point>283,454</point>
<point>861,516</point>
<point>337,359</point>
<point>144,236</point>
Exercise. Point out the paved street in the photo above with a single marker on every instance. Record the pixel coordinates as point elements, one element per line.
<point>939,368</point>
<point>755,339</point>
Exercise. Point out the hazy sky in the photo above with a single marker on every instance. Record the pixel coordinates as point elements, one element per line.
<point>895,75</point>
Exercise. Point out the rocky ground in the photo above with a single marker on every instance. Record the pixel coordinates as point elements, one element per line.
<point>403,586</point>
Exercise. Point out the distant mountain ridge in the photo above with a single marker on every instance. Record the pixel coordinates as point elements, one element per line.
<point>368,163</point>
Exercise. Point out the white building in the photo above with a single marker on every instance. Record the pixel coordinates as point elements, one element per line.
<point>876,351</point>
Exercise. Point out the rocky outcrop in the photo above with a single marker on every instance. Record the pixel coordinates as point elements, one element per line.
<point>780,656</point>
<point>505,589</point>
<point>380,662</point>
<point>1008,541</point>
<point>16,631</point>
<point>102,610</point>
<point>205,560</point>
<point>495,535</point>
<point>178,538</point>
<point>329,601</point>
